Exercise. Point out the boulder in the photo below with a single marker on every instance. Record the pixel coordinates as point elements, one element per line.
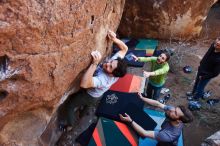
<point>44,47</point>
<point>164,19</point>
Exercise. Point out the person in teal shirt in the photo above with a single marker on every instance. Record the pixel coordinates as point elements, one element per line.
<point>157,75</point>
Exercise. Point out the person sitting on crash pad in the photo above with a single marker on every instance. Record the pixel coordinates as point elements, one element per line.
<point>170,129</point>
<point>157,75</point>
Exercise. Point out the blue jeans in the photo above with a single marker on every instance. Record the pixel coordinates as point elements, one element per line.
<point>153,92</point>
<point>199,86</point>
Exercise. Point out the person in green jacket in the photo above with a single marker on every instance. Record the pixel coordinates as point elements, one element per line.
<point>157,75</point>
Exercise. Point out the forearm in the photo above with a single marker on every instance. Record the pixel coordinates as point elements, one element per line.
<point>153,102</point>
<point>142,131</point>
<point>120,44</point>
<point>152,74</point>
<point>144,59</point>
<point>87,81</point>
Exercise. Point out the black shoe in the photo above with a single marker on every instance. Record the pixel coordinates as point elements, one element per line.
<point>190,98</point>
<point>189,93</point>
<point>167,97</point>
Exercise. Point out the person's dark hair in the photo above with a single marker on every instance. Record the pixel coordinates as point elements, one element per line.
<point>187,117</point>
<point>121,68</point>
<point>168,55</point>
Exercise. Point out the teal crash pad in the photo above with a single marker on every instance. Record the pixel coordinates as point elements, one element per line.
<point>145,44</point>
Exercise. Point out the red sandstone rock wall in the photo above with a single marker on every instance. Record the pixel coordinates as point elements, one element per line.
<point>164,19</point>
<point>44,45</point>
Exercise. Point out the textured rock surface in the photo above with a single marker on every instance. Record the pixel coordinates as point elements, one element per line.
<point>44,45</point>
<point>164,18</point>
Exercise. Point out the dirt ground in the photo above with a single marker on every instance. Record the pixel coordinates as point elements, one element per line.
<point>206,121</point>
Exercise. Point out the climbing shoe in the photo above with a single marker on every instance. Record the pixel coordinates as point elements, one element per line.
<point>194,105</point>
<point>189,93</point>
<point>212,102</point>
<point>206,95</point>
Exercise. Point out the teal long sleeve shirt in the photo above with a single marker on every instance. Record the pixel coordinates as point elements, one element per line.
<point>160,71</point>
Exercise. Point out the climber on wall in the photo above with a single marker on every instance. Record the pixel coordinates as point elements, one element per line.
<point>97,79</point>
